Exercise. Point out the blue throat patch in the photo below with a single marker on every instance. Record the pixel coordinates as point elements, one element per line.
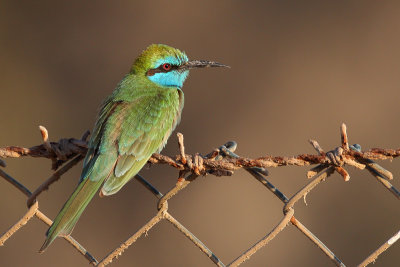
<point>171,79</point>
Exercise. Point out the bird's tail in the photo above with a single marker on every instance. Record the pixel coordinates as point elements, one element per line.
<point>66,219</point>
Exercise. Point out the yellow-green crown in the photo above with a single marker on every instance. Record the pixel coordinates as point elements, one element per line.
<point>155,55</point>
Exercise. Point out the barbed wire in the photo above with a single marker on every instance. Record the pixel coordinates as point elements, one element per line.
<point>222,161</point>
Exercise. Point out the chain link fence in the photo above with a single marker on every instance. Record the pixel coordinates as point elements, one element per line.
<point>66,153</point>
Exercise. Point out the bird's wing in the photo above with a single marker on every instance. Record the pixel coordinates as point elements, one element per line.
<point>108,111</point>
<point>144,130</point>
<point>97,167</point>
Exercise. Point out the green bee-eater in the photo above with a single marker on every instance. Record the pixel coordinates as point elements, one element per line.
<point>135,121</point>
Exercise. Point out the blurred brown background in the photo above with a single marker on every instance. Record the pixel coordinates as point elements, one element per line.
<point>298,71</point>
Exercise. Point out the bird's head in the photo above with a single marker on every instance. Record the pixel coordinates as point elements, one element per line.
<point>167,66</point>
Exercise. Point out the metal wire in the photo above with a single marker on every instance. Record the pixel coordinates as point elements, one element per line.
<point>221,161</point>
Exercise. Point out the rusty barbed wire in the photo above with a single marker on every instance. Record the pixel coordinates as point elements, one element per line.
<point>66,153</point>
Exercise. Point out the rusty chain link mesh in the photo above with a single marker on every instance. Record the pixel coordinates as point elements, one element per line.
<point>220,162</point>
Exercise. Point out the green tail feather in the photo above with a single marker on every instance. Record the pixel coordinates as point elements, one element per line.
<point>65,221</point>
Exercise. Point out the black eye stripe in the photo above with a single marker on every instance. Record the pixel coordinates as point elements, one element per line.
<point>160,68</point>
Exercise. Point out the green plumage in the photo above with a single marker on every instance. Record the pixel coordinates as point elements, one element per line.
<point>134,122</point>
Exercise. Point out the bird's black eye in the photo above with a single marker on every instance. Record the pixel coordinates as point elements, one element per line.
<point>166,66</point>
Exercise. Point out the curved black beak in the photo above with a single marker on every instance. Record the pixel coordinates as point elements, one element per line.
<point>200,64</point>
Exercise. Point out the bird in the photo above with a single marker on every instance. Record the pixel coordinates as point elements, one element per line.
<point>134,122</point>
